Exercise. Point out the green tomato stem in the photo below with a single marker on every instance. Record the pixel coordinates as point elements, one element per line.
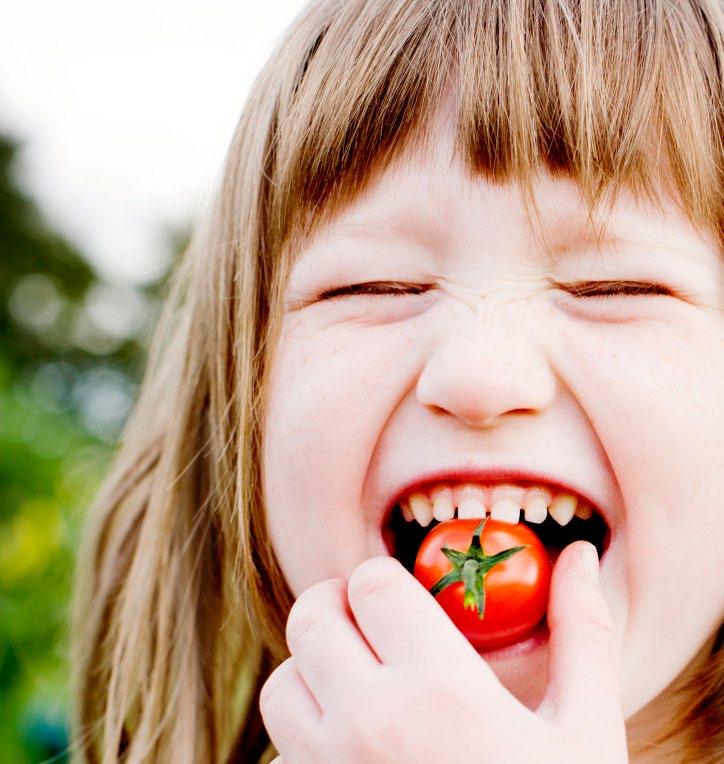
<point>471,567</point>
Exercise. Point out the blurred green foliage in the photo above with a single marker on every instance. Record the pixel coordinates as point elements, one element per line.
<point>71,353</point>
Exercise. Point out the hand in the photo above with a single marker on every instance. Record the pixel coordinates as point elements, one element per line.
<point>379,673</point>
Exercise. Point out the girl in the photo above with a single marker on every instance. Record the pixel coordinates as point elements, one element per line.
<point>456,244</point>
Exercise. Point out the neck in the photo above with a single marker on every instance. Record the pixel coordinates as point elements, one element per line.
<point>646,730</point>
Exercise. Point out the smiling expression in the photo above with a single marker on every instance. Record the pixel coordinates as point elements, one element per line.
<point>489,356</point>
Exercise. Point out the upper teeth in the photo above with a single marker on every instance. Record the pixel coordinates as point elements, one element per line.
<point>502,502</point>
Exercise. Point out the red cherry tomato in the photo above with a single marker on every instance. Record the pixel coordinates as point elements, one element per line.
<point>494,602</point>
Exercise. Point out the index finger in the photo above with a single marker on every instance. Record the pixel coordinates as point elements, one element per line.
<point>402,621</point>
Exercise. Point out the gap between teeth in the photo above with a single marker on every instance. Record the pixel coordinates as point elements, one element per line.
<point>502,502</point>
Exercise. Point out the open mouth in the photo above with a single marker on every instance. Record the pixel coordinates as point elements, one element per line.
<point>403,537</point>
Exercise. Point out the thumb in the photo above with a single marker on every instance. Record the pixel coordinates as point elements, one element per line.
<point>583,683</point>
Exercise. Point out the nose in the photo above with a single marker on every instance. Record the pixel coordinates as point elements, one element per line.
<point>486,368</point>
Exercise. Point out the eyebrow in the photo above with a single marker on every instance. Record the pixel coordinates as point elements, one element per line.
<point>569,243</point>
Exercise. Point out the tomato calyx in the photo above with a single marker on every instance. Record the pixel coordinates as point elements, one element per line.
<point>471,567</point>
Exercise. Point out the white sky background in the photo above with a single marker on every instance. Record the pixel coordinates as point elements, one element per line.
<point>125,109</point>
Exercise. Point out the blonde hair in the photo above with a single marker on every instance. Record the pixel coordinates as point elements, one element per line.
<point>181,605</point>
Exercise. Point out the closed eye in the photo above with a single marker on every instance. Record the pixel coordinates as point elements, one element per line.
<point>375,288</point>
<point>579,289</point>
<point>599,289</point>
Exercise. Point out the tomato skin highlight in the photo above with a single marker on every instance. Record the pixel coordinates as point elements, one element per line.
<point>516,589</point>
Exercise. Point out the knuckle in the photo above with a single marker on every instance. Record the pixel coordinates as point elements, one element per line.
<point>445,693</point>
<point>593,623</point>
<point>371,577</point>
<point>302,623</point>
<point>368,730</point>
<point>603,637</point>
<point>389,734</point>
<point>597,634</point>
<point>308,613</point>
<point>272,689</point>
<point>354,707</point>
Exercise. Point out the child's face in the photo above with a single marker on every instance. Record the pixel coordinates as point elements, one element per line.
<point>619,395</point>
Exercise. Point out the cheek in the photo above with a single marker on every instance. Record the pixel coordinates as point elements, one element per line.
<point>653,393</point>
<point>331,394</point>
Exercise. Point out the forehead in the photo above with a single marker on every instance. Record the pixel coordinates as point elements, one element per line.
<point>431,202</point>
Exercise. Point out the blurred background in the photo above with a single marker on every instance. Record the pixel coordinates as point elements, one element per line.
<point>114,121</point>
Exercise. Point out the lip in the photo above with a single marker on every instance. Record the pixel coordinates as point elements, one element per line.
<point>497,475</point>
<point>534,640</point>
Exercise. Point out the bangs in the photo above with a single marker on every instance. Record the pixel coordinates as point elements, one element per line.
<point>609,94</point>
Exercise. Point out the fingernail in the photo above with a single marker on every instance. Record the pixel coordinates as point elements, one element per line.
<point>589,561</point>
